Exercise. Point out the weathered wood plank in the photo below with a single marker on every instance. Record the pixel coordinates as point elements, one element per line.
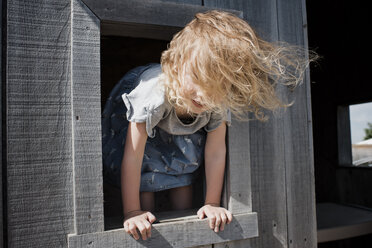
<point>146,12</point>
<point>158,19</point>
<point>344,136</point>
<point>238,181</point>
<point>338,221</point>
<point>175,234</point>
<point>146,18</point>
<point>2,165</point>
<point>87,144</point>
<point>266,144</point>
<point>298,137</point>
<point>38,101</point>
<point>196,2</point>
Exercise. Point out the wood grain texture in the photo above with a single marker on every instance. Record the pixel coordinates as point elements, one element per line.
<point>345,157</point>
<point>162,13</point>
<point>339,221</point>
<point>2,165</point>
<point>195,2</point>
<point>281,149</point>
<point>266,145</point>
<point>146,18</point>
<point>238,179</point>
<point>146,12</point>
<point>87,144</point>
<point>298,137</point>
<point>175,234</point>
<point>38,101</point>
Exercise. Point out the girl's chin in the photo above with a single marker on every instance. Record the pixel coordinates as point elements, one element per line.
<point>197,104</point>
<point>197,108</point>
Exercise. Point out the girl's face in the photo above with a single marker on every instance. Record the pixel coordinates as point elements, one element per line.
<point>193,94</point>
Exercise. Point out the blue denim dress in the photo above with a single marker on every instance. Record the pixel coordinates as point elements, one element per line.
<point>170,160</point>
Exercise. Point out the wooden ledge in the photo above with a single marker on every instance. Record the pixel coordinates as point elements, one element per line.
<point>338,221</point>
<point>186,232</point>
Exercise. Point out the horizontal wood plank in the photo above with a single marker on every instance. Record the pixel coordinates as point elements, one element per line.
<point>196,2</point>
<point>338,221</point>
<point>147,11</point>
<point>185,233</point>
<point>145,19</point>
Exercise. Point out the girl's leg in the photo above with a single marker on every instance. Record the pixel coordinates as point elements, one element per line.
<point>181,198</point>
<point>147,201</point>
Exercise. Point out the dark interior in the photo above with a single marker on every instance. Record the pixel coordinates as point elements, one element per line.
<point>337,32</point>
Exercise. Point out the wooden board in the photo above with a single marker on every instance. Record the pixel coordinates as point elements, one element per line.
<point>38,104</point>
<point>265,146</point>
<point>337,221</point>
<point>145,18</point>
<point>195,2</point>
<point>86,98</point>
<point>238,177</point>
<point>345,157</point>
<point>161,13</point>
<point>2,159</point>
<point>281,159</point>
<point>298,136</point>
<point>186,233</point>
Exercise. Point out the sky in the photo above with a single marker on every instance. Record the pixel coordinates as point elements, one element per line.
<point>360,115</point>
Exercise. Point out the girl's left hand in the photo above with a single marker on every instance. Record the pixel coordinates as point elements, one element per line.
<point>218,216</point>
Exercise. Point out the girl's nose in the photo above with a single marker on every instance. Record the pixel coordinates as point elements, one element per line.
<point>199,97</point>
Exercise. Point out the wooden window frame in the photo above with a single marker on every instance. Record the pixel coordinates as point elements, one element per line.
<point>157,20</point>
<point>345,154</point>
<point>345,157</point>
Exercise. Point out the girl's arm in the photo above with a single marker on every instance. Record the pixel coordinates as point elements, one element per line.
<point>130,182</point>
<point>131,166</point>
<point>215,157</point>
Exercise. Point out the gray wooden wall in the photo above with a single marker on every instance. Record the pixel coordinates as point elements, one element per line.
<point>281,149</point>
<point>1,124</point>
<point>39,134</point>
<point>39,142</point>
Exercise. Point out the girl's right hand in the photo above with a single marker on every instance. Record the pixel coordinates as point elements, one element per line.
<point>140,220</point>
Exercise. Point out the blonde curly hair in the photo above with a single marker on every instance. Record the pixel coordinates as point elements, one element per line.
<point>232,66</point>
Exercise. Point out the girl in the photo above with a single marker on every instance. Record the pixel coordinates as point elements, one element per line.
<point>172,117</point>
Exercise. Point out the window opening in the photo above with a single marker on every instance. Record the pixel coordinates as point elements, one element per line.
<point>119,55</point>
<point>361,134</point>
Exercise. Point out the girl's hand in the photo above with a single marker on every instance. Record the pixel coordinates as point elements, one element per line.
<point>141,220</point>
<point>218,216</point>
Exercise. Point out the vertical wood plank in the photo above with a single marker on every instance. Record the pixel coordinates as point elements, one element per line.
<point>345,157</point>
<point>87,144</point>
<point>38,101</point>
<point>237,191</point>
<point>238,181</point>
<point>266,144</point>
<point>2,166</point>
<point>298,137</point>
